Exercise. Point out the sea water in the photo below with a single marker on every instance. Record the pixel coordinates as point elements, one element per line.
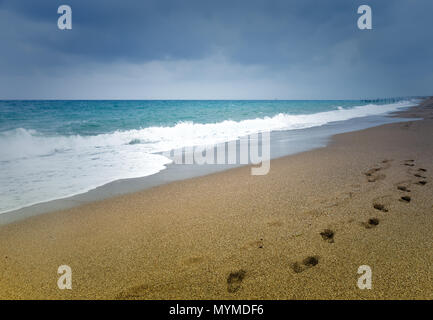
<point>55,149</point>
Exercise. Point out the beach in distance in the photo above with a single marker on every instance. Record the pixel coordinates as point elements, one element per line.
<point>301,231</point>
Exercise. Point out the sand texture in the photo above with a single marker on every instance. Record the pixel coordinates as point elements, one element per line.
<point>300,232</point>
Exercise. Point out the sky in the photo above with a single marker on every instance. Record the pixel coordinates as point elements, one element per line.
<point>220,49</point>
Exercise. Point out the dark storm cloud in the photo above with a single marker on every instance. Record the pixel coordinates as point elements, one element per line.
<point>287,48</point>
<point>144,30</point>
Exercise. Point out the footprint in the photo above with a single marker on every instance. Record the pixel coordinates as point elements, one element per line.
<point>405,184</point>
<point>371,223</point>
<point>422,169</point>
<point>419,176</point>
<point>311,261</point>
<point>234,280</point>
<point>259,244</point>
<point>373,175</point>
<point>422,182</point>
<point>133,292</point>
<point>375,178</point>
<point>371,171</point>
<point>382,203</point>
<point>409,163</point>
<point>405,199</point>
<point>307,263</point>
<point>254,244</point>
<point>328,235</point>
<point>380,207</point>
<point>403,188</point>
<point>387,163</point>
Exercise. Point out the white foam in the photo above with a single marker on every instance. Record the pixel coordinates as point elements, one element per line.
<point>36,168</point>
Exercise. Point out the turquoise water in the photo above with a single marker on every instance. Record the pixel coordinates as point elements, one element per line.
<point>55,149</point>
<point>97,117</point>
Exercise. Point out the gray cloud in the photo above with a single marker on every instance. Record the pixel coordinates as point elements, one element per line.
<point>215,49</point>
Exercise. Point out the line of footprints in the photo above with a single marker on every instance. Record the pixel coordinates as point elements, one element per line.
<point>234,280</point>
<point>419,179</point>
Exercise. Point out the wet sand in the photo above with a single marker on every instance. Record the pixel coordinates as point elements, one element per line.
<point>300,232</point>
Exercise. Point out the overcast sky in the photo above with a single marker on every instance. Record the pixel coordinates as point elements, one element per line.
<point>201,49</point>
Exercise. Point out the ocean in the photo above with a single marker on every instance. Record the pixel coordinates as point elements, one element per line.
<point>56,149</point>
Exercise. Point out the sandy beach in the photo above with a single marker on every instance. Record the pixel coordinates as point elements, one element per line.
<point>300,232</point>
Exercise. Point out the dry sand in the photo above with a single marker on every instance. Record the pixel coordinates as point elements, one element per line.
<point>231,235</point>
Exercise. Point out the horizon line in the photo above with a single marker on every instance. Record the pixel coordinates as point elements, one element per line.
<point>271,99</point>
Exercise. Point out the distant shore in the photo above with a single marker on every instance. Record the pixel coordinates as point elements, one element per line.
<point>300,232</point>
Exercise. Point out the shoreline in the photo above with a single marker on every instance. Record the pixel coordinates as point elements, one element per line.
<point>317,137</point>
<point>229,235</point>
